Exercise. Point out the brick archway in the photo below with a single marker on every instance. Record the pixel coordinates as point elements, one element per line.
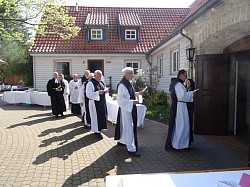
<point>242,44</point>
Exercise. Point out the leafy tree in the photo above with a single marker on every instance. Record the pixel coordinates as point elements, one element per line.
<point>19,61</point>
<point>16,14</point>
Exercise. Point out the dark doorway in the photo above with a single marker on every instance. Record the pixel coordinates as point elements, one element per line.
<point>243,97</point>
<point>211,101</point>
<point>96,65</point>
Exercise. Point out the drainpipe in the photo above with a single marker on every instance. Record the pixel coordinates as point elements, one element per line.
<point>191,67</point>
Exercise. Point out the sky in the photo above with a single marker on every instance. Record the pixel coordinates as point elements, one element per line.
<point>132,3</point>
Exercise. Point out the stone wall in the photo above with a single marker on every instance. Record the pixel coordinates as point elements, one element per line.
<point>221,26</point>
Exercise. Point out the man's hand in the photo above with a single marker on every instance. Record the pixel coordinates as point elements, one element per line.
<point>196,90</point>
<point>101,92</point>
<point>135,102</point>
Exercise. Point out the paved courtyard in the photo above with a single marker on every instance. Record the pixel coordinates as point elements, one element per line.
<point>38,150</point>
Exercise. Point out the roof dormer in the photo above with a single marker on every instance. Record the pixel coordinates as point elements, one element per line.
<point>96,27</point>
<point>129,24</point>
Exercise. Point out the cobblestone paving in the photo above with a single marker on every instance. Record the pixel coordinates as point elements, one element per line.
<point>38,150</point>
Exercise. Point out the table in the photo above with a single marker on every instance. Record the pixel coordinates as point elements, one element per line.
<point>113,107</point>
<point>199,179</point>
<point>39,98</point>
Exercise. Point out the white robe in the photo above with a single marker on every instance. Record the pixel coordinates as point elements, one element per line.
<point>126,126</point>
<point>93,96</point>
<point>181,132</point>
<point>81,99</point>
<point>66,93</point>
<point>74,88</point>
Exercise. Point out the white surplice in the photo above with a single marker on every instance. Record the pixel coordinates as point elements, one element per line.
<point>81,99</point>
<point>93,96</point>
<point>66,93</point>
<point>74,88</point>
<point>181,132</point>
<point>126,126</point>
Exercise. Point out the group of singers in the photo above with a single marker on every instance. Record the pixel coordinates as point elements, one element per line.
<point>87,97</point>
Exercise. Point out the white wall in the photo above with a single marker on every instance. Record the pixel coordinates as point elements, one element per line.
<point>177,41</point>
<point>44,66</point>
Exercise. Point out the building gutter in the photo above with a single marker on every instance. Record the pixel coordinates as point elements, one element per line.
<point>207,6</point>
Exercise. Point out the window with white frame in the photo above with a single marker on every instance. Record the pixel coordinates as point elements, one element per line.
<point>160,65</point>
<point>134,65</point>
<point>130,34</point>
<point>175,60</point>
<point>63,68</point>
<point>96,34</point>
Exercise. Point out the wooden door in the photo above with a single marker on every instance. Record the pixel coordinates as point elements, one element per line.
<point>211,101</point>
<point>96,65</point>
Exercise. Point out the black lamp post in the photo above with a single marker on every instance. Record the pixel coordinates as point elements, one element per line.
<point>190,57</point>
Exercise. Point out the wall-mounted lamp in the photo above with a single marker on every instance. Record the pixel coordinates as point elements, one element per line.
<point>190,54</point>
<point>108,61</point>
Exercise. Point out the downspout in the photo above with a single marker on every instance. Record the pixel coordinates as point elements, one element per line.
<point>34,72</point>
<point>191,41</point>
<point>190,62</point>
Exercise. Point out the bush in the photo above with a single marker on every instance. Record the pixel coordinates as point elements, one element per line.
<point>158,113</point>
<point>160,98</point>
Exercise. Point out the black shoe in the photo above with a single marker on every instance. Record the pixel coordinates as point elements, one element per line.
<point>120,144</point>
<point>56,116</point>
<point>62,115</point>
<point>169,148</point>
<point>98,135</point>
<point>135,154</point>
<point>85,126</point>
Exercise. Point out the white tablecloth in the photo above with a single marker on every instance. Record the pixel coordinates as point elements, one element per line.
<point>14,97</point>
<point>113,107</point>
<point>204,179</point>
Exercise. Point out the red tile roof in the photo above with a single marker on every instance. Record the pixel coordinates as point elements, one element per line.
<point>96,19</point>
<point>129,19</point>
<point>156,24</point>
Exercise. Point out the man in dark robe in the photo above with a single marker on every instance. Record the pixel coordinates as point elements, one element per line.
<point>179,125</point>
<point>126,125</point>
<point>55,89</point>
<point>85,76</point>
<point>95,91</point>
<point>87,113</point>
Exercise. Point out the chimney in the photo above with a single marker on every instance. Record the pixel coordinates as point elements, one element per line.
<point>76,7</point>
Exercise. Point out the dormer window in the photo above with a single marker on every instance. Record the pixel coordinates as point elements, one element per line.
<point>130,34</point>
<point>96,27</point>
<point>130,25</point>
<point>96,34</point>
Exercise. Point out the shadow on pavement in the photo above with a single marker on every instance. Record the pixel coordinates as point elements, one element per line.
<point>115,158</point>
<point>34,122</point>
<point>66,150</point>
<point>65,137</point>
<point>60,129</point>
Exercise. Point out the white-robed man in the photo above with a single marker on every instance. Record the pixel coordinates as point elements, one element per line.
<point>82,100</point>
<point>95,91</point>
<point>126,127</point>
<point>66,91</point>
<point>179,128</point>
<point>74,87</point>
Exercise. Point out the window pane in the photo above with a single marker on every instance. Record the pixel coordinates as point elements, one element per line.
<point>135,65</point>
<point>62,68</point>
<point>129,65</point>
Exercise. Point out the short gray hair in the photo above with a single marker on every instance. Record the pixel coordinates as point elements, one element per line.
<point>127,70</point>
<point>91,75</point>
<point>98,71</point>
<point>86,72</point>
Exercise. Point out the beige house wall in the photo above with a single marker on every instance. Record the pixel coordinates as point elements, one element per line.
<point>220,26</point>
